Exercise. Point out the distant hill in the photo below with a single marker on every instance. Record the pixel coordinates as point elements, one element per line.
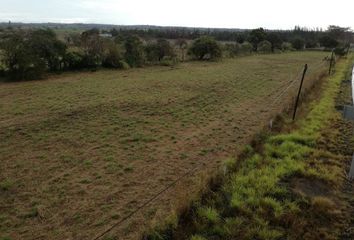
<point>86,26</point>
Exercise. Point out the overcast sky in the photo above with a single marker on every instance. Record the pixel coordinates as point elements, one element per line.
<point>271,14</point>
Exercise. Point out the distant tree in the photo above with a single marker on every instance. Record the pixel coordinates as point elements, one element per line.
<point>256,36</point>
<point>205,47</point>
<point>328,42</point>
<point>298,43</point>
<point>114,32</point>
<point>264,47</point>
<point>275,41</point>
<point>182,44</point>
<point>341,34</point>
<point>134,51</point>
<point>240,38</point>
<point>92,45</point>
<point>73,39</point>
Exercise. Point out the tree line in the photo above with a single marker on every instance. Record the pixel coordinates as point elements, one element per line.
<point>31,53</point>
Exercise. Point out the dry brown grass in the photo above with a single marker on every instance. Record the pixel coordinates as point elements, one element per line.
<point>81,151</point>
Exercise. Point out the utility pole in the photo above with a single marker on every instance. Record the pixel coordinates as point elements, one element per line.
<point>298,95</point>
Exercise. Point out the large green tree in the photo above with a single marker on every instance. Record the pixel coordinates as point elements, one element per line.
<point>256,36</point>
<point>20,59</point>
<point>275,40</point>
<point>45,44</point>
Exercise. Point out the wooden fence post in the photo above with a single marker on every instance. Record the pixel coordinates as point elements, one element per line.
<point>298,95</point>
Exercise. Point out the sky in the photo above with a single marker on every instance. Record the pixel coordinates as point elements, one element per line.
<point>270,14</point>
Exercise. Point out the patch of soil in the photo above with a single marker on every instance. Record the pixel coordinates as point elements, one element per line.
<point>309,187</point>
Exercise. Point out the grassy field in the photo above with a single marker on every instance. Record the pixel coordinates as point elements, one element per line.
<point>80,151</point>
<point>290,186</point>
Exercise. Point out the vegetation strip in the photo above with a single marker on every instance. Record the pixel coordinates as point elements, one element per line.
<point>255,202</point>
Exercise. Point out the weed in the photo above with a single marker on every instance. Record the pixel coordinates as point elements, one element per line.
<point>6,185</point>
<point>208,214</point>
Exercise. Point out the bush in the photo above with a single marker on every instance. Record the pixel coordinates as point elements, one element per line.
<point>341,51</point>
<point>157,51</point>
<point>124,64</point>
<point>113,57</point>
<point>233,49</point>
<point>73,60</point>
<point>205,48</point>
<point>168,61</point>
<point>286,46</point>
<point>264,47</point>
<point>246,48</point>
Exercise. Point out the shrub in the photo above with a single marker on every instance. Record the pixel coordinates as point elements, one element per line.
<point>246,48</point>
<point>233,49</point>
<point>286,46</point>
<point>341,51</point>
<point>264,47</point>
<point>73,60</point>
<point>124,64</point>
<point>113,57</point>
<point>167,61</point>
<point>182,45</point>
<point>197,237</point>
<point>205,48</point>
<point>157,51</point>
